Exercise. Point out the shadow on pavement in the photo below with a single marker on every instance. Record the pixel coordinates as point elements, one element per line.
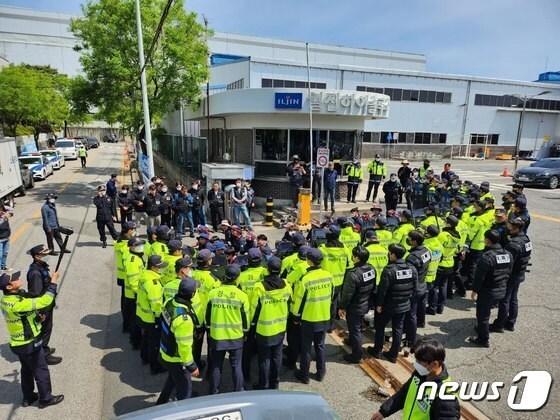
<point>454,332</point>
<point>7,354</point>
<point>132,403</point>
<point>11,389</point>
<point>460,304</point>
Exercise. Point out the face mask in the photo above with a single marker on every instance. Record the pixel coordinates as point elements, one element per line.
<point>101,193</point>
<point>238,185</point>
<point>164,190</point>
<point>179,188</point>
<point>140,187</point>
<point>195,187</point>
<point>51,200</point>
<point>138,249</point>
<point>124,191</point>
<point>422,371</point>
<point>393,178</point>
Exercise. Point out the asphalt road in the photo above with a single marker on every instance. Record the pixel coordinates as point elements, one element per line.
<point>102,377</point>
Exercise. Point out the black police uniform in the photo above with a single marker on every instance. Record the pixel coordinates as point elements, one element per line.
<point>397,285</point>
<point>490,283</point>
<point>125,207</point>
<point>38,282</point>
<point>166,200</point>
<point>520,247</point>
<point>104,217</point>
<point>419,257</point>
<point>391,190</point>
<point>216,203</point>
<point>357,290</point>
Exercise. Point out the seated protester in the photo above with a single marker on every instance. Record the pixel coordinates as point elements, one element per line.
<point>262,244</point>
<point>429,366</point>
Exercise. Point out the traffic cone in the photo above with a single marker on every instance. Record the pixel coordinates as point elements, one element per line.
<point>505,172</point>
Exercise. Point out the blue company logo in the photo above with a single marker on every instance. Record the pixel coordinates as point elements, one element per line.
<point>288,100</point>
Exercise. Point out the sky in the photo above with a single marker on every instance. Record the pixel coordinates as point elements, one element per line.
<point>511,39</point>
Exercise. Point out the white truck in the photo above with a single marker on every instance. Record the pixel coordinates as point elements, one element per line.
<point>10,175</point>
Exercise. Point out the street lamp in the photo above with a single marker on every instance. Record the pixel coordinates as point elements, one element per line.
<point>524,98</point>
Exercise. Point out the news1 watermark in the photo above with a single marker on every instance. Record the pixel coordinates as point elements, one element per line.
<point>533,396</point>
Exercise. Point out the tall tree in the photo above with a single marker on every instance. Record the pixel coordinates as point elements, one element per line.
<point>109,56</point>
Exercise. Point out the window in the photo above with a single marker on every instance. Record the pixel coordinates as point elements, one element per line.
<point>266,83</point>
<point>439,97</point>
<point>446,97</point>
<point>299,142</point>
<point>485,138</point>
<point>406,95</point>
<point>361,88</point>
<point>289,83</point>
<point>300,84</point>
<point>277,83</point>
<point>271,144</point>
<point>371,137</point>
<point>513,101</point>
<point>410,137</point>
<point>238,84</point>
<point>431,97</point>
<point>388,92</point>
<point>375,137</point>
<point>443,138</point>
<point>414,95</point>
<point>422,138</point>
<point>423,96</point>
<point>341,144</point>
<point>397,95</point>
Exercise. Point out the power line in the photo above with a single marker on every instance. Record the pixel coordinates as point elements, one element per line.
<point>158,33</point>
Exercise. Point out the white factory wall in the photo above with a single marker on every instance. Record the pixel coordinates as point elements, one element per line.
<point>223,74</point>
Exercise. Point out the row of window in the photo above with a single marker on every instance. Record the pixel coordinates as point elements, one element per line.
<point>238,84</point>
<point>385,137</point>
<point>276,83</point>
<point>410,95</point>
<point>484,138</point>
<point>509,101</point>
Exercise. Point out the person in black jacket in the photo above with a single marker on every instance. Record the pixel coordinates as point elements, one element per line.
<point>520,247</point>
<point>419,256</point>
<point>490,283</point>
<point>500,225</point>
<point>216,202</point>
<point>391,189</point>
<point>166,202</point>
<point>125,204</point>
<point>38,281</point>
<point>397,285</point>
<point>5,232</point>
<point>137,198</point>
<point>152,203</point>
<point>105,215</point>
<point>429,366</point>
<point>357,289</point>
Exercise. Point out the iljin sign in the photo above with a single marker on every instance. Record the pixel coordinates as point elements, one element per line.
<point>288,100</point>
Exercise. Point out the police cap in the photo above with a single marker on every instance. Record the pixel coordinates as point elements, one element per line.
<point>333,232</point>
<point>302,252</point>
<point>187,288</point>
<point>457,211</point>
<point>255,254</point>
<point>162,232</point>
<point>432,230</point>
<point>156,261</point>
<point>132,242</point>
<point>517,221</point>
<point>4,281</point>
<point>232,271</point>
<point>186,261</point>
<point>205,255</point>
<point>520,202</point>
<point>406,214</point>
<point>315,256</point>
<point>130,225</point>
<point>370,234</point>
<point>174,245</point>
<point>381,221</point>
<point>204,235</point>
<point>219,246</point>
<point>492,235</point>
<point>452,221</point>
<point>274,265</point>
<point>38,250</point>
<point>298,239</point>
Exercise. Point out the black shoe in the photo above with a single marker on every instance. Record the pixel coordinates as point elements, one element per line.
<point>104,244</point>
<point>439,311</point>
<point>27,403</point>
<point>421,325</point>
<point>509,327</point>
<point>495,329</point>
<point>53,253</point>
<point>478,342</point>
<point>373,352</point>
<point>300,377</point>
<point>53,360</point>
<point>49,351</point>
<point>56,399</point>
<point>319,377</point>
<point>430,311</point>
<point>289,365</point>
<point>389,357</point>
<point>348,358</point>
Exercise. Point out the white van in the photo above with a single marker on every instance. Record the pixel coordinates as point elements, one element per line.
<point>67,147</point>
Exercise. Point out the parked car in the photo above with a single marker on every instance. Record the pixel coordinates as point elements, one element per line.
<point>80,144</point>
<point>67,147</point>
<point>110,138</point>
<point>11,183</point>
<point>54,157</point>
<point>92,142</point>
<point>545,172</point>
<point>26,177</point>
<point>82,140</point>
<point>39,165</point>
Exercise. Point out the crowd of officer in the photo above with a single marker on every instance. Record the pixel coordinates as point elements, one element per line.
<point>245,300</point>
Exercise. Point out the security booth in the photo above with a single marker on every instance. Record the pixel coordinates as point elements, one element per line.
<point>225,174</point>
<point>265,127</point>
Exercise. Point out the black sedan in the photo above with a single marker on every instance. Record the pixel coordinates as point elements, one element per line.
<point>545,172</point>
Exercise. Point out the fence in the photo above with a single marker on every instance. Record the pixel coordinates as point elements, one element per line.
<point>415,152</point>
<point>187,153</point>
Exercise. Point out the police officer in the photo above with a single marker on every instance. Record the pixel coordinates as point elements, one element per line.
<point>105,215</point>
<point>133,268</point>
<point>175,248</point>
<point>20,312</point>
<point>247,281</point>
<point>297,240</point>
<point>50,224</point>
<point>431,241</point>
<point>391,190</point>
<point>357,290</point>
<point>355,175</point>
<point>500,225</point>
<point>149,299</point>
<point>401,232</point>
<point>478,227</point>
<point>121,254</point>
<point>419,256</point>
<point>485,191</point>
<point>348,236</point>
<point>269,313</point>
<point>311,307</point>
<point>377,173</point>
<point>429,365</point>
<point>385,236</point>
<point>159,247</point>
<point>38,281</point>
<point>293,328</point>
<point>519,209</point>
<point>378,258</point>
<point>336,258</point>
<point>227,317</point>
<point>82,154</point>
<point>520,247</point>
<point>178,322</point>
<point>490,283</point>
<point>398,282</point>
<point>425,169</point>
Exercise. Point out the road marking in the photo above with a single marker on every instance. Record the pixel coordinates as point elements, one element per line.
<point>544,217</point>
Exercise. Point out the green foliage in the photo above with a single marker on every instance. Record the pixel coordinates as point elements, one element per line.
<point>34,97</point>
<point>109,55</point>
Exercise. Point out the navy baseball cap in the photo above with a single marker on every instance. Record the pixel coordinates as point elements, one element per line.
<point>204,235</point>
<point>370,234</point>
<point>5,279</point>
<point>38,249</point>
<point>302,252</point>
<point>255,254</point>
<point>334,230</point>
<point>186,261</point>
<point>274,265</point>
<point>232,271</point>
<point>205,255</point>
<point>132,242</point>
<point>219,246</point>
<point>298,239</point>
<point>187,287</point>
<point>174,245</point>
<point>314,255</point>
<point>156,261</point>
<point>130,225</point>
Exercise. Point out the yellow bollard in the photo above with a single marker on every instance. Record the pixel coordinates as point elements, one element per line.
<point>304,213</point>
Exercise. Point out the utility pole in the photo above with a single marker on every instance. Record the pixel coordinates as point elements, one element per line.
<point>145,104</point>
<point>207,88</point>
<point>311,166</point>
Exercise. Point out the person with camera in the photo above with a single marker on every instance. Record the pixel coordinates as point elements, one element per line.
<point>25,330</point>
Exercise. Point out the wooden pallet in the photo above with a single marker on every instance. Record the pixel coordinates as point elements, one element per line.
<point>389,377</point>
